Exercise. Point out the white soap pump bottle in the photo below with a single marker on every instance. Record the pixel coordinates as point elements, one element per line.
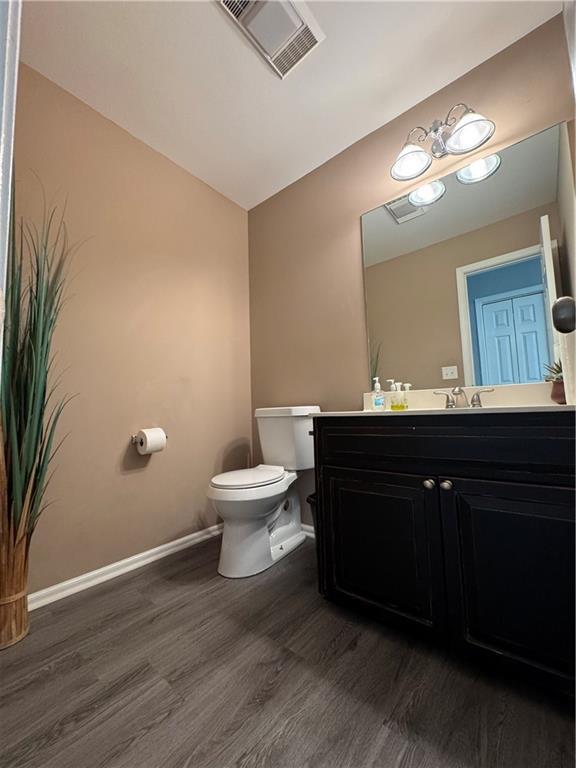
<point>397,402</point>
<point>377,395</point>
<point>407,388</point>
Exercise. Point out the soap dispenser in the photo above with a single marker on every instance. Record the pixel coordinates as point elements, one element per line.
<point>397,401</point>
<point>407,388</point>
<point>377,395</point>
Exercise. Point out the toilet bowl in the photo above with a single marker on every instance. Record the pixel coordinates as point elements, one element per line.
<point>260,507</point>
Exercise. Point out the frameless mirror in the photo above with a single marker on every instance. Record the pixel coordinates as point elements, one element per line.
<point>459,290</point>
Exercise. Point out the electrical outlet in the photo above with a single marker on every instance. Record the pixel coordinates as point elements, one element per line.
<point>450,372</point>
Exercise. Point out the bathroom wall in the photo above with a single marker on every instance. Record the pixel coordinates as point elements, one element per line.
<point>155,332</point>
<point>429,336</point>
<point>308,324</point>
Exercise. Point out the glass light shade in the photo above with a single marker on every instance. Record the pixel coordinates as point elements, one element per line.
<point>411,162</point>
<point>469,133</point>
<point>427,194</point>
<point>479,170</point>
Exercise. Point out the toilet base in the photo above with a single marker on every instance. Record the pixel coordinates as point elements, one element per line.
<point>251,546</point>
<point>236,570</point>
<point>281,550</point>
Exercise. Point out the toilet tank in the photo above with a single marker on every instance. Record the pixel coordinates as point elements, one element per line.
<point>284,435</point>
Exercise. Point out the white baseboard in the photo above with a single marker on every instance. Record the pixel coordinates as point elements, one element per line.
<point>90,579</point>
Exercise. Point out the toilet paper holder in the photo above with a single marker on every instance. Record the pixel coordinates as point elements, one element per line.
<point>134,440</point>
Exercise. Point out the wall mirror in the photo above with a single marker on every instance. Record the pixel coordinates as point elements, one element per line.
<point>460,276</point>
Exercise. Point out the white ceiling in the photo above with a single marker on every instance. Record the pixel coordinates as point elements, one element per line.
<point>526,179</point>
<point>180,77</point>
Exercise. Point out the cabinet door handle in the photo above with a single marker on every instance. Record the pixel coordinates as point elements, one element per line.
<point>429,484</point>
<point>446,485</point>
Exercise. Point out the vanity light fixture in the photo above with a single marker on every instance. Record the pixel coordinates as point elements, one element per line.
<point>479,169</point>
<point>411,162</point>
<point>427,194</point>
<point>463,130</point>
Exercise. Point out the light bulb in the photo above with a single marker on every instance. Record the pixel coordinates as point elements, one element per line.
<point>479,170</point>
<point>469,133</point>
<point>410,163</point>
<point>427,194</point>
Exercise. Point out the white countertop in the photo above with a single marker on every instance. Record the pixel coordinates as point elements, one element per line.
<point>450,411</point>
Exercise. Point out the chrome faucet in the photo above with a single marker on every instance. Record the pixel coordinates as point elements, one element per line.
<point>476,402</point>
<point>457,398</point>
<point>454,399</point>
<point>450,402</point>
<point>460,398</point>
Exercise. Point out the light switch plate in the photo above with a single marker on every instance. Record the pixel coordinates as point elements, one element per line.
<point>450,372</point>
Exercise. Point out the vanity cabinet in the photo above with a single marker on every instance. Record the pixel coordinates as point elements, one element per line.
<point>460,526</point>
<point>509,570</point>
<point>385,549</point>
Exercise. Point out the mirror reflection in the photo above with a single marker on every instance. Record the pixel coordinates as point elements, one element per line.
<point>460,275</point>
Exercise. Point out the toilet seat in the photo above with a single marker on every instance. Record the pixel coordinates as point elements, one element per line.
<point>252,493</point>
<point>263,474</point>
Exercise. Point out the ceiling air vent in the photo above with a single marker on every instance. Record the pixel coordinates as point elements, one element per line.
<point>236,7</point>
<point>283,33</point>
<point>402,210</point>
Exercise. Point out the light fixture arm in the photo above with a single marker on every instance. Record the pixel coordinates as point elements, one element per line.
<point>423,135</point>
<point>451,119</point>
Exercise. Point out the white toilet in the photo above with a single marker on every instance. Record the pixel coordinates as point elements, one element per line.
<point>260,507</point>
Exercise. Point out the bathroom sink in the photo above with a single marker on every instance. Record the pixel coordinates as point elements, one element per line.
<point>452,411</point>
<point>510,398</point>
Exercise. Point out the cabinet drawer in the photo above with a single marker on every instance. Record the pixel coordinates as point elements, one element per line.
<point>487,443</point>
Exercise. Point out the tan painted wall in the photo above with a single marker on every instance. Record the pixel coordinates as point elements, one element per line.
<point>157,319</point>
<point>308,326</point>
<point>428,334</point>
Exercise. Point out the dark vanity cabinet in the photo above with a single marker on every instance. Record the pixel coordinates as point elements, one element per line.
<point>384,546</point>
<point>458,525</point>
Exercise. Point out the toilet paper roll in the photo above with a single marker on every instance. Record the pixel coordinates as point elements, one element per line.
<point>150,440</point>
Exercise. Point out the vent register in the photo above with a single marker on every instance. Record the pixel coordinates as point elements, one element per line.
<point>283,33</point>
<point>402,210</point>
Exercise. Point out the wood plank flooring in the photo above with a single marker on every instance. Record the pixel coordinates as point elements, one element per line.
<point>173,666</point>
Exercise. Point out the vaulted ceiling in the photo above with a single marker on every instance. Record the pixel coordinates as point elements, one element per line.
<point>180,77</point>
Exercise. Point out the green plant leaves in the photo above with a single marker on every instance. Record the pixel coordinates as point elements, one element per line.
<point>37,261</point>
<point>554,371</point>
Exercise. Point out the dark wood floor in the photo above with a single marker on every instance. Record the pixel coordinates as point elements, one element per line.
<point>174,666</point>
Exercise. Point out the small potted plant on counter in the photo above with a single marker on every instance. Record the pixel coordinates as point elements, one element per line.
<point>554,375</point>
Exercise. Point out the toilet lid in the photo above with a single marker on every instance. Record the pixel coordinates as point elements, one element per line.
<point>263,474</point>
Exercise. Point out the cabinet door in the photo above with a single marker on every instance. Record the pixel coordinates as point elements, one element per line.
<point>382,544</point>
<point>509,552</point>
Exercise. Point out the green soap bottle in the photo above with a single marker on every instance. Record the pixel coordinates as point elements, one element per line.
<point>397,398</point>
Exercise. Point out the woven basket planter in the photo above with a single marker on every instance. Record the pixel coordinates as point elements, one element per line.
<point>13,592</point>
